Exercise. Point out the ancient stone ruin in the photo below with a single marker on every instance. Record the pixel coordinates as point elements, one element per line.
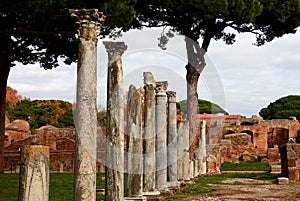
<point>153,147</point>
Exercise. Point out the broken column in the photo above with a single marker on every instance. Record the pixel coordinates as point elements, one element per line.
<point>86,113</point>
<point>114,179</point>
<point>202,148</point>
<point>135,143</point>
<point>172,137</point>
<point>149,132</point>
<point>34,175</point>
<point>180,150</point>
<point>161,135</point>
<point>183,151</point>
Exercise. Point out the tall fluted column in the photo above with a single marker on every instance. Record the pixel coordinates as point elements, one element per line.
<point>34,175</point>
<point>86,114</point>
<point>135,143</point>
<point>114,180</point>
<point>172,137</point>
<point>161,135</point>
<point>149,132</point>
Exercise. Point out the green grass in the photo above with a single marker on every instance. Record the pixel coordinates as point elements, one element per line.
<point>61,186</point>
<point>245,166</point>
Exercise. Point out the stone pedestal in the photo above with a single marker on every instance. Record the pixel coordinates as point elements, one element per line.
<point>86,114</point>
<point>149,133</point>
<point>161,135</point>
<point>135,143</point>
<point>114,188</point>
<point>172,137</point>
<point>34,175</point>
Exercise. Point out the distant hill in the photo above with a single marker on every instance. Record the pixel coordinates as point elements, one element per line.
<point>204,106</point>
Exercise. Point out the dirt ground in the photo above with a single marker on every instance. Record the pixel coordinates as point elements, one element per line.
<point>249,189</point>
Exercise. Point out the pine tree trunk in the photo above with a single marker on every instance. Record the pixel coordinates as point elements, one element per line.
<point>195,66</point>
<point>5,68</point>
<point>192,77</point>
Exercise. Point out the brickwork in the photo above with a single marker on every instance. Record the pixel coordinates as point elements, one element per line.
<point>290,161</point>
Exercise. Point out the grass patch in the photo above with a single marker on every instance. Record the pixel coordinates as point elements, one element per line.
<point>245,166</point>
<point>61,186</point>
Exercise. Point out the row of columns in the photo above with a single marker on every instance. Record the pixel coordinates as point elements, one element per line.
<point>158,157</point>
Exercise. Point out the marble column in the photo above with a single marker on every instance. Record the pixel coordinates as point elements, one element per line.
<point>185,156</point>
<point>86,113</point>
<point>172,137</point>
<point>202,148</point>
<point>34,175</point>
<point>149,132</point>
<point>161,135</point>
<point>134,143</point>
<point>180,150</point>
<point>114,178</point>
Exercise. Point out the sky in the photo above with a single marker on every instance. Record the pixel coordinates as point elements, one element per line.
<point>242,78</point>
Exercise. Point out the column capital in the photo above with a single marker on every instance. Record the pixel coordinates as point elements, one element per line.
<point>149,79</point>
<point>115,48</point>
<point>88,20</point>
<point>171,96</point>
<point>161,88</point>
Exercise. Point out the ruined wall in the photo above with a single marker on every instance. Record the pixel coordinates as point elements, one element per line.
<point>60,140</point>
<point>290,161</point>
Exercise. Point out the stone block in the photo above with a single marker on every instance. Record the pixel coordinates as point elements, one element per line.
<point>142,198</point>
<point>291,162</point>
<point>293,174</point>
<point>283,180</point>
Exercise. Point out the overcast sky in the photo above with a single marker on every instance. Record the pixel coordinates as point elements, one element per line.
<point>242,78</point>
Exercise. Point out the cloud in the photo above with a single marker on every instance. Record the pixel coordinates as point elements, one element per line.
<point>241,77</point>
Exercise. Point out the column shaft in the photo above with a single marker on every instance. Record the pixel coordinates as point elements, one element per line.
<point>114,179</point>
<point>135,143</point>
<point>161,135</point>
<point>86,113</point>
<point>149,133</point>
<point>172,137</point>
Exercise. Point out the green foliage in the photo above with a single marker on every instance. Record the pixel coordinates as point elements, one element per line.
<point>245,166</point>
<point>283,108</point>
<point>204,106</point>
<point>45,31</point>
<point>101,118</point>
<point>43,112</point>
<point>208,19</point>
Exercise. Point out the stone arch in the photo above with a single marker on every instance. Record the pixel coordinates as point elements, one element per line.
<point>249,132</point>
<point>227,132</point>
<point>277,136</point>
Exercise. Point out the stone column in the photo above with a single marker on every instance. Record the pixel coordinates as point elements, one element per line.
<point>185,156</point>
<point>183,151</point>
<point>86,113</point>
<point>34,175</point>
<point>180,150</point>
<point>135,143</point>
<point>161,135</point>
<point>149,132</point>
<point>172,137</point>
<point>202,148</point>
<point>114,188</point>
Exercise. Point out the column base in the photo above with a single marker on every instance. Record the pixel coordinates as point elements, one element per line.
<point>137,198</point>
<point>150,193</point>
